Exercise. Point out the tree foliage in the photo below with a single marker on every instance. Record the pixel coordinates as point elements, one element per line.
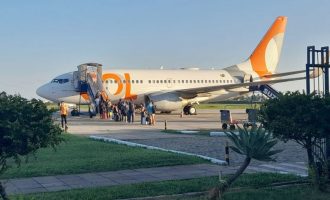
<point>25,126</point>
<point>255,143</point>
<point>302,118</point>
<point>295,116</point>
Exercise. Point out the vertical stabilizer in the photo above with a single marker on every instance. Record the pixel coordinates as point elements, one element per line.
<point>265,57</point>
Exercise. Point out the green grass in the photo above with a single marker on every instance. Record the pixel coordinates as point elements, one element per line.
<point>227,106</point>
<point>160,188</point>
<point>288,193</point>
<point>80,155</point>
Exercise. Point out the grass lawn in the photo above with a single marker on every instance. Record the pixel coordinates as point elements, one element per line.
<point>80,155</point>
<point>289,193</point>
<point>226,106</point>
<point>160,188</point>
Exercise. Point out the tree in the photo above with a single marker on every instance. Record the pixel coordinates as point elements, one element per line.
<point>25,127</point>
<point>302,118</point>
<point>255,143</point>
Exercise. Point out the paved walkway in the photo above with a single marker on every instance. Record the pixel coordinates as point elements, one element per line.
<point>124,177</point>
<point>99,179</point>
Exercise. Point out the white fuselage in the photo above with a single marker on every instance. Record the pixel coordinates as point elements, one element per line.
<point>128,83</point>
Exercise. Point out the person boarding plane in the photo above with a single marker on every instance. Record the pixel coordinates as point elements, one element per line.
<point>171,90</point>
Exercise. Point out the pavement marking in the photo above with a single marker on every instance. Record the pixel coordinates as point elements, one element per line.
<point>107,139</point>
<point>283,168</point>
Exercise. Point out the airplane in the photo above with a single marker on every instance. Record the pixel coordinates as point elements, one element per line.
<point>174,89</point>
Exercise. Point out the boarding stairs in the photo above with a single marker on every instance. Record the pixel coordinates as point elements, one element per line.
<point>88,80</point>
<point>267,90</point>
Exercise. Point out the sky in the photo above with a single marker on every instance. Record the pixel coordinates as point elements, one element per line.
<point>40,40</point>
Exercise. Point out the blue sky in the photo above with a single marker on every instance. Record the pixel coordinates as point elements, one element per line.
<point>42,39</point>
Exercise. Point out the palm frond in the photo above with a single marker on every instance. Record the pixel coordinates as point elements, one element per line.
<point>255,143</point>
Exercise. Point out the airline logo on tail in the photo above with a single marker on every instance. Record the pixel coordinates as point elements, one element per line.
<point>265,57</point>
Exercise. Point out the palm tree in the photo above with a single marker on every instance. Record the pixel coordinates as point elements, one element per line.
<point>254,144</point>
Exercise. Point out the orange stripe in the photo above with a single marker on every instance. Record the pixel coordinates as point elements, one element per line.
<point>116,78</point>
<point>85,96</point>
<point>258,58</point>
<point>128,94</point>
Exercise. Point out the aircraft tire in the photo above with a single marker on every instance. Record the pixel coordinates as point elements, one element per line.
<point>186,110</point>
<point>192,110</point>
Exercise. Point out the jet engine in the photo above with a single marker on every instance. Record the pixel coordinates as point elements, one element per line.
<point>166,102</point>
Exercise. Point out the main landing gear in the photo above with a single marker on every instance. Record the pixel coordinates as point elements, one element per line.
<point>189,110</point>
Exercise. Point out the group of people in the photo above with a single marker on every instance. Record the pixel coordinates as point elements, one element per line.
<point>122,111</point>
<point>148,114</point>
<point>102,106</point>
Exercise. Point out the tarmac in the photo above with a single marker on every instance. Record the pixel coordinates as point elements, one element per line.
<point>291,161</point>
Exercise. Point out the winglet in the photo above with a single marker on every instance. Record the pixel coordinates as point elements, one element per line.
<point>265,57</point>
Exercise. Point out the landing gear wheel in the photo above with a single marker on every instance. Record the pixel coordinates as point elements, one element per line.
<point>186,110</point>
<point>189,110</point>
<point>192,110</point>
<point>224,126</point>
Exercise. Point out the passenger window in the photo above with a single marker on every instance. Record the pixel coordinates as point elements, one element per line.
<point>227,81</point>
<point>106,81</point>
<point>186,81</point>
<point>216,81</point>
<point>165,81</point>
<point>157,81</point>
<point>178,81</point>
<point>124,81</point>
<point>153,81</point>
<point>161,81</point>
<point>202,81</point>
<point>197,81</point>
<point>141,81</point>
<point>173,81</point>
<point>190,81</point>
<point>149,81</point>
<point>194,81</point>
<point>212,81</point>
<point>115,81</point>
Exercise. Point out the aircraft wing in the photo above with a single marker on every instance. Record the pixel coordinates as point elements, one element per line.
<point>283,74</point>
<point>202,90</point>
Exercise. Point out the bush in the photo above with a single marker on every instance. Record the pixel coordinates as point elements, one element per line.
<point>25,126</point>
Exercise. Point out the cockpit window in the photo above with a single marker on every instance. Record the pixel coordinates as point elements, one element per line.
<point>60,81</point>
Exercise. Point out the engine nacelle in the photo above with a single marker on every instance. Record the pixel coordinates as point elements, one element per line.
<point>166,101</point>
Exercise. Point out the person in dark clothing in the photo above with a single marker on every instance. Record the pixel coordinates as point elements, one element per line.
<point>131,111</point>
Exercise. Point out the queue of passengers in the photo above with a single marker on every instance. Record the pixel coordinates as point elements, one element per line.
<point>124,111</point>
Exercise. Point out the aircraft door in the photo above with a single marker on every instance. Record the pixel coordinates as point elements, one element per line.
<point>75,80</point>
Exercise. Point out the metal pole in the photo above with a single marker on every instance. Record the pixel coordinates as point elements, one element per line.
<point>326,70</point>
<point>326,93</point>
<point>308,88</point>
<point>227,153</point>
<point>165,124</point>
